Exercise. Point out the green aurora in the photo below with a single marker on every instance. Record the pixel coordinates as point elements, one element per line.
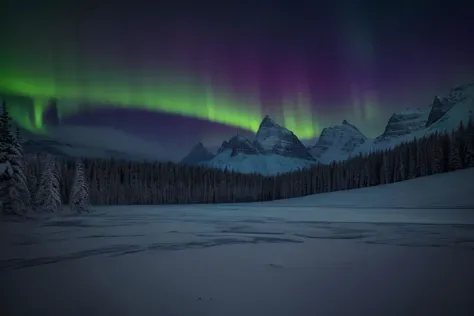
<point>173,96</point>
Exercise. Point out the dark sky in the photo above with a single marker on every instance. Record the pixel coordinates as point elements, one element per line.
<point>308,64</point>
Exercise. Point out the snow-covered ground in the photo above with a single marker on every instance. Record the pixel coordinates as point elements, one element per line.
<point>400,249</point>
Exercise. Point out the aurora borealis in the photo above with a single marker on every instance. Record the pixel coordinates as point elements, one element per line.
<point>193,70</point>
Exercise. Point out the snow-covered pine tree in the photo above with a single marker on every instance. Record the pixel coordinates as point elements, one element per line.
<point>48,197</point>
<point>79,198</point>
<point>6,173</point>
<point>19,190</point>
<point>6,154</point>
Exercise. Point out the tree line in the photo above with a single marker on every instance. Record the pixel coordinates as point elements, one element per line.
<point>45,182</point>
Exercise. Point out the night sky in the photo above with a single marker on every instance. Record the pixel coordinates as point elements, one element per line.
<point>183,71</point>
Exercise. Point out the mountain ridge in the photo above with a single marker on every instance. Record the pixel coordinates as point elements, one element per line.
<point>343,141</point>
<point>274,149</point>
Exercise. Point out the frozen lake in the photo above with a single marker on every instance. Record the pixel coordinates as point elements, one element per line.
<point>281,258</point>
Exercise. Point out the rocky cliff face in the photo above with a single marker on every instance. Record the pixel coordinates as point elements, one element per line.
<point>405,122</point>
<point>272,138</point>
<point>439,108</point>
<point>462,96</point>
<point>239,144</point>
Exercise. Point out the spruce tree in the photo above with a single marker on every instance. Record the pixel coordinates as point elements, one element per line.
<point>48,196</point>
<point>19,190</point>
<point>79,198</point>
<point>7,154</point>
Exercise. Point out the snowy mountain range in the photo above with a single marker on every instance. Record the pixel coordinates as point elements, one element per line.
<point>276,149</point>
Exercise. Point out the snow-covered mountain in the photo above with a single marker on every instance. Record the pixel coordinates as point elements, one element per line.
<point>198,154</point>
<point>444,114</point>
<point>274,150</point>
<point>277,149</point>
<point>406,122</point>
<point>93,142</point>
<point>447,112</point>
<point>275,139</point>
<point>337,142</point>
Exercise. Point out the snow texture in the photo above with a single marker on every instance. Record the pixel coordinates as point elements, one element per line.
<point>399,249</point>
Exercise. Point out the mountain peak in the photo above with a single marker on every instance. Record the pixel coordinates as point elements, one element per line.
<point>337,142</point>
<point>404,122</point>
<point>346,123</point>
<point>275,139</point>
<point>267,121</point>
<point>198,153</point>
